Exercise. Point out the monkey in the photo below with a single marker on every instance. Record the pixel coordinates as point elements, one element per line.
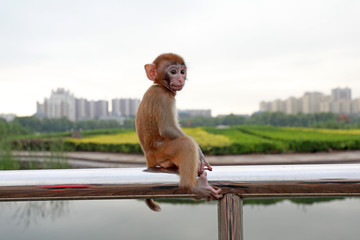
<point>161,138</point>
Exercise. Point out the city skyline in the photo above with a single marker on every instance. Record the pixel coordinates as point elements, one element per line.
<point>277,102</point>
<point>63,103</point>
<point>340,102</point>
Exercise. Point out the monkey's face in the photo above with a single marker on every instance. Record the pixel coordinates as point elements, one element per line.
<point>176,75</point>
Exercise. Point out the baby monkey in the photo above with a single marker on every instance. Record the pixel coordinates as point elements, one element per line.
<point>162,140</point>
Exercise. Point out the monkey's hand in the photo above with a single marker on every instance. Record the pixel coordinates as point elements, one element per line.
<point>203,163</point>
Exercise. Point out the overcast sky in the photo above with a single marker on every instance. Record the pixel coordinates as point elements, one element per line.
<point>238,52</point>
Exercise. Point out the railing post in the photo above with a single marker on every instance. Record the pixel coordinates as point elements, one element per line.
<point>230,217</point>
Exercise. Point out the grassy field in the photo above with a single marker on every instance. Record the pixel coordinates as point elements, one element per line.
<point>244,139</point>
<point>308,140</point>
<point>234,140</point>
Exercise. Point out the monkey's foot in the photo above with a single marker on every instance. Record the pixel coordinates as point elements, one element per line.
<point>205,190</point>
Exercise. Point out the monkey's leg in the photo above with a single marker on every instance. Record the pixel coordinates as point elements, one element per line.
<point>183,153</point>
<point>150,159</point>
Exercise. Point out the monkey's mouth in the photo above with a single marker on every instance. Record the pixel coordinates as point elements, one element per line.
<point>176,87</point>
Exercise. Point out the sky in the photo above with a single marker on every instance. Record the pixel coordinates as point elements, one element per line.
<point>238,53</point>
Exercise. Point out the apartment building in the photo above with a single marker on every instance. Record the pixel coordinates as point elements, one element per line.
<point>315,102</point>
<point>62,103</point>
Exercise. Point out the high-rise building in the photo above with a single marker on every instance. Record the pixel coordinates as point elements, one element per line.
<point>63,104</point>
<point>125,107</point>
<point>311,102</point>
<point>101,108</point>
<point>195,112</point>
<point>60,104</point>
<point>82,109</point>
<point>40,110</point>
<point>265,106</point>
<point>326,105</point>
<point>98,109</point>
<point>355,106</point>
<point>342,106</point>
<point>277,106</point>
<point>341,93</point>
<point>293,105</point>
<point>314,102</point>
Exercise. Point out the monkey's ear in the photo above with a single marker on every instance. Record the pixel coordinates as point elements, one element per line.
<point>150,71</point>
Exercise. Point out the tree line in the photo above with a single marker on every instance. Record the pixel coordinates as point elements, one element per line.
<point>30,125</point>
<point>315,120</point>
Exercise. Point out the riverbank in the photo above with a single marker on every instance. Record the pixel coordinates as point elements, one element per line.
<point>104,160</point>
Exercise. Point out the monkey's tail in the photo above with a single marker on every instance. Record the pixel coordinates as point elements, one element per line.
<point>152,205</point>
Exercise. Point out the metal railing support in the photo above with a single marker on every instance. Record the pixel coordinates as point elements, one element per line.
<point>230,217</point>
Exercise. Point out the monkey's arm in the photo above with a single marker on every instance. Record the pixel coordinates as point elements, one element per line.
<point>170,132</point>
<point>203,163</point>
<point>167,119</point>
<point>169,127</point>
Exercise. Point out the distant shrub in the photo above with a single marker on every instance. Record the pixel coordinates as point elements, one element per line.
<point>308,140</point>
<point>230,141</point>
<point>98,147</point>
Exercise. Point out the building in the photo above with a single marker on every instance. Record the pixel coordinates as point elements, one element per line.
<point>341,93</point>
<point>125,107</point>
<point>339,102</point>
<point>277,106</point>
<point>92,109</point>
<point>63,104</point>
<point>326,105</point>
<point>355,105</point>
<point>101,108</point>
<point>60,104</point>
<point>82,109</point>
<point>311,102</point>
<point>195,113</point>
<point>265,106</point>
<point>293,105</point>
<point>342,106</point>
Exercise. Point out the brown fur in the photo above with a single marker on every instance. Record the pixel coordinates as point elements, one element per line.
<point>162,140</point>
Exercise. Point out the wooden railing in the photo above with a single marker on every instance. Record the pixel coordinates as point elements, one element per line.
<point>237,183</point>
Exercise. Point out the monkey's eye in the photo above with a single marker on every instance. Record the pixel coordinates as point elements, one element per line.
<point>182,72</point>
<point>173,71</point>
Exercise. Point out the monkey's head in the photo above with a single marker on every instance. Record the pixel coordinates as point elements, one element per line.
<point>168,70</point>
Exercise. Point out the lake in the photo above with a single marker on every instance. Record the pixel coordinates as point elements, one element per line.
<point>131,219</point>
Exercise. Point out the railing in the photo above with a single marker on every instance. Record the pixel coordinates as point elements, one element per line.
<point>237,182</point>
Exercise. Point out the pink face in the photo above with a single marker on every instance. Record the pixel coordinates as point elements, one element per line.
<point>176,75</point>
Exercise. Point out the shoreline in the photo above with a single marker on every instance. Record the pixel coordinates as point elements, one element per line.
<point>103,159</point>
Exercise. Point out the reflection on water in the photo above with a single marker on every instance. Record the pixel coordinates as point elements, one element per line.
<point>27,213</point>
<point>131,219</point>
<point>330,220</point>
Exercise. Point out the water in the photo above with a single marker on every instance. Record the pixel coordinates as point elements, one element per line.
<point>334,220</point>
<point>131,219</point>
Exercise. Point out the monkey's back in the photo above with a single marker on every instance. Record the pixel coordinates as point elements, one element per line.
<point>148,116</point>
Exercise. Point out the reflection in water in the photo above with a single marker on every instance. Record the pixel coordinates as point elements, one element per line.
<point>26,213</point>
<point>330,220</point>
<point>130,219</point>
<point>298,201</point>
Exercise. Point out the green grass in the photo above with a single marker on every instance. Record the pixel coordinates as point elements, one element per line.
<point>243,143</point>
<point>244,139</point>
<point>309,140</point>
